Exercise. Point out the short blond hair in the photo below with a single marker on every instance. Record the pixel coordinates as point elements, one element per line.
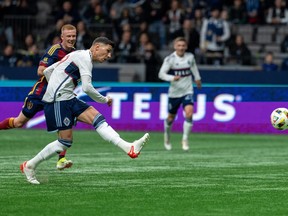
<point>67,27</point>
<point>180,39</point>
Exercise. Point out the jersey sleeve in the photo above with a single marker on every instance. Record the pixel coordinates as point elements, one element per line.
<point>163,73</point>
<point>194,68</point>
<point>50,56</point>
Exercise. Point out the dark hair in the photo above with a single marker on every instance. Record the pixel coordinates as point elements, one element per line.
<point>103,40</point>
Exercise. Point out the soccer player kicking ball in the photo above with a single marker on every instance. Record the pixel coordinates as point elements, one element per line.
<point>61,105</point>
<point>33,102</point>
<point>178,69</point>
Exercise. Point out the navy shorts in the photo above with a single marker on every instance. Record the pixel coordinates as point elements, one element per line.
<point>174,103</point>
<point>32,106</point>
<point>61,115</point>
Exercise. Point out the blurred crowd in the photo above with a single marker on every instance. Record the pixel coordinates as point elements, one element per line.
<point>142,29</point>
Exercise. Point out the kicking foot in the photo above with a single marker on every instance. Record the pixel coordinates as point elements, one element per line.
<point>63,163</point>
<point>138,145</point>
<point>185,145</point>
<point>30,173</point>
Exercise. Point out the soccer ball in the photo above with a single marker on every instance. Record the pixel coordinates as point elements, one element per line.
<point>279,118</point>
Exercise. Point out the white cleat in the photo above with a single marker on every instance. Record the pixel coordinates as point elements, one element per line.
<point>185,145</point>
<point>137,146</point>
<point>30,173</point>
<point>167,146</point>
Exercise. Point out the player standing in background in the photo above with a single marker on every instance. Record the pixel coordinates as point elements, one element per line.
<point>33,102</point>
<point>62,107</point>
<point>178,69</point>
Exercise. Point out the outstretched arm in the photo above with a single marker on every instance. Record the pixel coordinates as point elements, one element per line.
<point>92,92</point>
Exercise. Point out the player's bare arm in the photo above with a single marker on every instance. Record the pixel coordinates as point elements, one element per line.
<point>40,70</point>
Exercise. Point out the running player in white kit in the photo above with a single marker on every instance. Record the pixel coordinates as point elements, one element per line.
<point>178,68</point>
<point>62,106</point>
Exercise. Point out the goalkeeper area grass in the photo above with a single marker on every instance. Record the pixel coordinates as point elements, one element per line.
<point>220,175</point>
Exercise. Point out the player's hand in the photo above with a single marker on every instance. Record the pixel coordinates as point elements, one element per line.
<point>109,102</point>
<point>176,78</point>
<point>198,83</point>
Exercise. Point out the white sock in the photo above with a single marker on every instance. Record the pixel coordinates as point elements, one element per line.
<point>47,152</point>
<point>167,131</point>
<point>187,126</point>
<point>110,135</point>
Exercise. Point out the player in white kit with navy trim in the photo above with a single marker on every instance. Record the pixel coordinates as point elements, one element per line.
<point>179,68</point>
<point>62,106</point>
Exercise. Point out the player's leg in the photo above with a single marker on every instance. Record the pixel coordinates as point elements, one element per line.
<point>60,118</point>
<point>173,106</point>
<point>50,150</point>
<point>188,122</point>
<point>167,130</point>
<point>93,117</point>
<point>14,122</point>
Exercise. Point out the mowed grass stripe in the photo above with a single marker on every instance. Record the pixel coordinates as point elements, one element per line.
<point>221,175</point>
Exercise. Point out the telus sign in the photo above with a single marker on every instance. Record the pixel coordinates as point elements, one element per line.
<point>217,109</point>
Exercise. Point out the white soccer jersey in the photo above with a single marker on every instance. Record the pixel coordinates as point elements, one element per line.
<point>174,65</point>
<point>66,74</point>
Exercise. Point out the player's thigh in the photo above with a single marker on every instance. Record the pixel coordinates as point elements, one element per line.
<point>188,103</point>
<point>31,107</point>
<point>173,105</point>
<point>88,115</point>
<point>188,110</point>
<point>59,116</point>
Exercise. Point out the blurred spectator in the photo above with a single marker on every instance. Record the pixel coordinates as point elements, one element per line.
<point>143,40</point>
<point>269,64</point>
<point>278,14</point>
<point>68,13</point>
<point>57,39</point>
<point>125,49</point>
<point>198,19</point>
<point>214,33</point>
<point>237,13</point>
<point>174,19</point>
<point>188,7</point>
<point>8,57</point>
<point>97,16</point>
<point>239,52</point>
<point>3,37</point>
<point>117,7</point>
<point>152,62</point>
<point>284,45</point>
<point>29,54</point>
<point>138,15</point>
<point>54,33</point>
<point>88,11</point>
<point>190,34</point>
<point>27,7</point>
<point>84,38</point>
<point>156,17</point>
<point>253,15</point>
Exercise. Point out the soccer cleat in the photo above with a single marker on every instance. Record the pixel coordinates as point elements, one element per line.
<point>63,163</point>
<point>167,143</point>
<point>185,145</point>
<point>29,172</point>
<point>167,146</point>
<point>137,145</point>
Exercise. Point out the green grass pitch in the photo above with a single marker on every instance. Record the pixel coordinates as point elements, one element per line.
<point>223,175</point>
